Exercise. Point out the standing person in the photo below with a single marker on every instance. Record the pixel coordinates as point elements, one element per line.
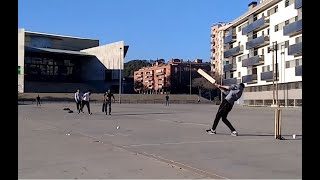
<point>234,92</point>
<point>77,98</point>
<point>38,100</point>
<point>107,101</point>
<point>86,101</point>
<point>167,99</point>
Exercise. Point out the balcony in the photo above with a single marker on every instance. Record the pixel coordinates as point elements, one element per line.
<point>253,61</point>
<point>293,28</point>
<point>266,76</point>
<point>233,51</point>
<point>297,4</point>
<point>295,49</point>
<point>252,78</point>
<point>230,81</point>
<point>298,70</point>
<point>258,42</point>
<point>256,25</point>
<point>230,39</point>
<point>230,67</point>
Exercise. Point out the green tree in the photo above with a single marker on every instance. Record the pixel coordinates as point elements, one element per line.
<point>134,65</point>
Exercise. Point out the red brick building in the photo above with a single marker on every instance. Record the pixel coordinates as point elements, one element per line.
<point>173,77</point>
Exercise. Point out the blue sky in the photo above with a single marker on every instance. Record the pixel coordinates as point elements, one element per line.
<point>152,28</point>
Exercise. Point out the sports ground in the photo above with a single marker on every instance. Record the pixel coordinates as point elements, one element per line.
<point>156,142</point>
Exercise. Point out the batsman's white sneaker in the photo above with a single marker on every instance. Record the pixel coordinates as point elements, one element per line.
<point>234,133</point>
<point>210,131</point>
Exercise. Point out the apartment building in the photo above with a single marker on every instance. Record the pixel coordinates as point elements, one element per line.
<point>263,49</point>
<point>152,79</point>
<point>174,77</point>
<point>217,37</point>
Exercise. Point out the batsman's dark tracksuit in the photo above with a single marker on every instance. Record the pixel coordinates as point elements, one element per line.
<point>225,107</point>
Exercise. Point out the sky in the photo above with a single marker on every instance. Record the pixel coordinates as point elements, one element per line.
<point>153,29</point>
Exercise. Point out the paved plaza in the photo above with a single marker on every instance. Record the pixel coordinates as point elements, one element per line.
<point>155,141</point>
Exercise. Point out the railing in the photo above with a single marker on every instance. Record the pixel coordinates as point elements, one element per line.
<point>229,81</point>
<point>229,67</point>
<point>233,51</point>
<point>258,24</point>
<point>267,75</point>
<point>249,78</point>
<point>257,42</point>
<point>292,28</point>
<point>297,4</point>
<point>295,49</point>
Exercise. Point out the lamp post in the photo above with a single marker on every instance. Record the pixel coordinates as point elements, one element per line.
<point>190,77</point>
<point>120,76</point>
<point>284,72</point>
<point>221,78</point>
<point>274,74</point>
<point>277,94</point>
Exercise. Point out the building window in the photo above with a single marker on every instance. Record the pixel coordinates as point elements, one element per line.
<point>268,31</point>
<point>286,22</point>
<point>19,70</point>
<point>262,51</point>
<point>262,32</point>
<point>239,59</point>
<point>255,52</point>
<point>287,64</point>
<point>286,44</point>
<point>275,9</point>
<point>239,74</point>
<point>298,62</point>
<point>286,3</point>
<point>276,28</point>
<point>296,18</point>
<point>239,28</point>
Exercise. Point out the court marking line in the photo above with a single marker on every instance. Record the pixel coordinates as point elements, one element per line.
<point>193,142</point>
<point>108,134</point>
<point>206,173</point>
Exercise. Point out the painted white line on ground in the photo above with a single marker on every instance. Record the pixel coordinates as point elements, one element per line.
<point>122,134</point>
<point>109,134</point>
<point>183,165</point>
<point>195,142</point>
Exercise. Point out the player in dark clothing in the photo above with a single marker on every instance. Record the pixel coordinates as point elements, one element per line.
<point>107,101</point>
<point>38,100</point>
<point>167,100</point>
<point>233,92</point>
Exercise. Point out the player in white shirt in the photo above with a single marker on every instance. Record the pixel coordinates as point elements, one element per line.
<point>86,101</point>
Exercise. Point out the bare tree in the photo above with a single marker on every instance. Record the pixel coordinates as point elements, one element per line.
<point>210,87</point>
<point>199,83</point>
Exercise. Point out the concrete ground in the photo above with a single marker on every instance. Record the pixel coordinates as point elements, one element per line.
<point>156,142</point>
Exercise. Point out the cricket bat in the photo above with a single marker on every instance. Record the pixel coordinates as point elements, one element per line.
<point>207,76</point>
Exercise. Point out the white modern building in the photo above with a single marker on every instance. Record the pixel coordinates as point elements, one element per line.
<point>58,63</point>
<point>263,50</point>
